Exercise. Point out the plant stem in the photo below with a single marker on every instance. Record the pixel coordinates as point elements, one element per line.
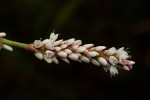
<point>18,44</point>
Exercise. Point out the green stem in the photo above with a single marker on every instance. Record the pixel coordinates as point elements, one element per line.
<point>18,44</point>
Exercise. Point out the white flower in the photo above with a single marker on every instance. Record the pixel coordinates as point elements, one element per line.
<point>53,37</point>
<point>38,55</point>
<point>2,34</point>
<point>102,61</point>
<point>113,70</point>
<point>49,45</point>
<point>49,53</point>
<point>37,44</point>
<point>95,62</point>
<point>73,57</point>
<point>113,60</point>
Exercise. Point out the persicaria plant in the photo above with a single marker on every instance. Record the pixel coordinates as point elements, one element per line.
<point>50,49</point>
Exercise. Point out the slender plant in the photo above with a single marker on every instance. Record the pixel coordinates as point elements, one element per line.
<point>49,50</point>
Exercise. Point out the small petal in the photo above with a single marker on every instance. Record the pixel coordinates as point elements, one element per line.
<point>2,34</point>
<point>88,45</point>
<point>100,48</point>
<point>38,55</point>
<point>85,59</point>
<point>92,54</point>
<point>68,51</point>
<point>102,61</point>
<point>65,60</point>
<point>70,41</point>
<point>95,62</point>
<point>54,59</point>
<point>80,49</point>
<point>73,57</point>
<point>53,36</point>
<point>7,47</point>
<point>62,54</point>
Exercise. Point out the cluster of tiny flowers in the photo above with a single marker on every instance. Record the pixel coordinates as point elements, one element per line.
<point>111,59</point>
<point>5,46</point>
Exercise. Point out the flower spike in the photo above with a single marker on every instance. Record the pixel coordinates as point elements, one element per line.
<point>50,49</point>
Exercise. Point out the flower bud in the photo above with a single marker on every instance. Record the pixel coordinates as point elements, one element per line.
<point>38,55</point>
<point>77,42</point>
<point>100,48</point>
<point>73,57</point>
<point>57,48</point>
<point>113,60</point>
<point>92,54</point>
<point>111,51</point>
<point>65,60</point>
<point>70,41</point>
<point>49,45</point>
<point>102,61</point>
<point>7,47</point>
<point>80,49</point>
<point>62,54</point>
<point>126,68</point>
<point>88,45</point>
<point>2,34</point>
<point>63,46</point>
<point>54,59</point>
<point>56,43</point>
<point>48,60</point>
<point>95,62</point>
<point>68,51</point>
<point>85,59</point>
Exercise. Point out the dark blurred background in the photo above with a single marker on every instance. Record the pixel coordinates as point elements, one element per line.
<point>102,22</point>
